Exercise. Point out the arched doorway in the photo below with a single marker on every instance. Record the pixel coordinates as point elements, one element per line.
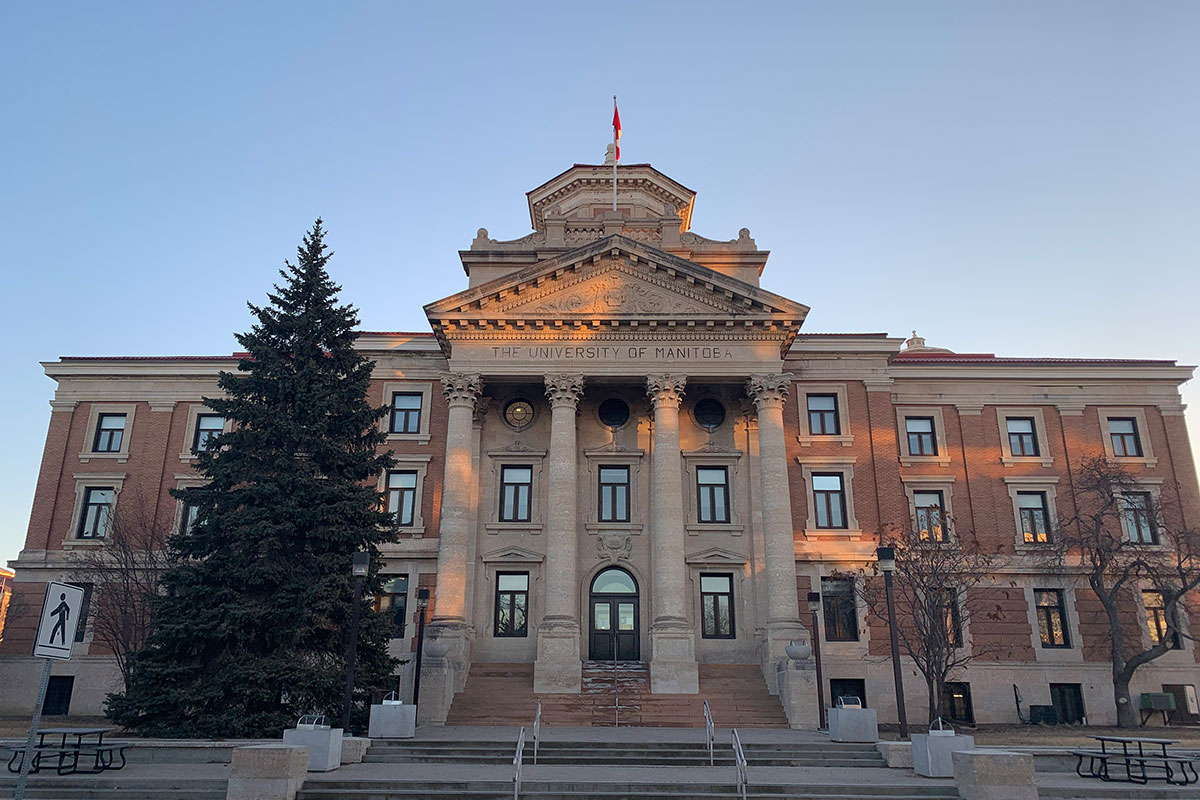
<point>613,626</point>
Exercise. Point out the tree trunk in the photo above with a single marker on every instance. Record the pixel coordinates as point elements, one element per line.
<point>935,698</point>
<point>1127,715</point>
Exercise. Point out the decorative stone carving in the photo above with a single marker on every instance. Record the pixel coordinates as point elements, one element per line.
<point>564,388</point>
<point>462,388</point>
<point>613,547</point>
<point>665,389</point>
<point>769,390</point>
<point>616,287</point>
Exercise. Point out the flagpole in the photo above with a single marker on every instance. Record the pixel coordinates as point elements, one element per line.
<point>614,156</point>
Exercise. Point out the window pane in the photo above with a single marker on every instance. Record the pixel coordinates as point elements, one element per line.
<point>1121,426</point>
<point>822,402</point>
<point>624,616</point>
<point>606,506</point>
<point>827,483</point>
<point>1031,499</point>
<point>613,581</point>
<point>715,583</point>
<point>406,401</point>
<point>402,480</point>
<point>709,476</point>
<point>719,513</point>
<point>1020,425</point>
<point>918,424</point>
<point>602,621</point>
<point>927,499</point>
<point>706,513</point>
<point>396,585</point>
<point>513,582</point>
<point>724,619</point>
<point>614,474</point>
<point>835,513</point>
<point>518,475</point>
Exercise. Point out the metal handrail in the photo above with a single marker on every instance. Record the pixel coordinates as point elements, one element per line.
<point>739,760</point>
<point>537,730</point>
<point>710,732</point>
<point>517,759</point>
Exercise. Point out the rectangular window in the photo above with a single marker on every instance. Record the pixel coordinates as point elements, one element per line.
<point>208,427</point>
<point>716,606</point>
<point>946,606</point>
<point>394,604</point>
<point>512,604</point>
<point>614,494</point>
<point>931,516</point>
<point>402,496</point>
<point>58,696</point>
<point>1052,617</point>
<point>1139,518</point>
<point>406,412</point>
<point>187,520</point>
<point>841,610</point>
<point>110,431</point>
<point>921,441</point>
<point>1035,517</point>
<point>516,486</point>
<point>97,507</point>
<point>712,493</point>
<point>1124,435</point>
<point>823,415</point>
<point>829,497</point>
<point>956,702</point>
<point>1022,436</point>
<point>1156,619</point>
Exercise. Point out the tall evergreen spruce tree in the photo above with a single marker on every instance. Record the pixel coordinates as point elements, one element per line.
<point>252,629</point>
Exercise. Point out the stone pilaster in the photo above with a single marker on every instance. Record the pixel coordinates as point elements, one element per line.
<point>672,637</point>
<point>558,667</point>
<point>783,612</point>
<point>450,658</point>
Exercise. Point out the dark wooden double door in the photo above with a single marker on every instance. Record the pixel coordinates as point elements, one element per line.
<point>614,628</point>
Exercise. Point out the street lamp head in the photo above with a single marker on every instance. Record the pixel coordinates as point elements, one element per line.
<point>814,602</point>
<point>360,565</point>
<point>423,598</point>
<point>887,558</point>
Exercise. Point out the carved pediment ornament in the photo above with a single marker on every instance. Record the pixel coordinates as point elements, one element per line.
<point>767,390</point>
<point>614,547</point>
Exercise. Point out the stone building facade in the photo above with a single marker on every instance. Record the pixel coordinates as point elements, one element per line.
<point>616,443</point>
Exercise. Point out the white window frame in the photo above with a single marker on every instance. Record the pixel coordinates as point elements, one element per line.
<point>1039,430</point>
<point>931,483</point>
<point>732,462</point>
<point>1033,483</point>
<point>1147,457</point>
<point>844,465</point>
<point>536,459</point>
<point>806,437</point>
<point>907,459</point>
<point>1061,655</point>
<point>423,388</point>
<point>83,482</point>
<point>121,456</point>
<point>189,432</point>
<point>409,463</point>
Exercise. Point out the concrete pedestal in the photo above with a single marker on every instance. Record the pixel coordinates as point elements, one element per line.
<point>354,748</point>
<point>558,669</point>
<point>932,753</point>
<point>852,724</point>
<point>898,755</point>
<point>392,722</point>
<point>324,746</point>
<point>673,668</point>
<point>796,684</point>
<point>994,775</point>
<point>266,772</point>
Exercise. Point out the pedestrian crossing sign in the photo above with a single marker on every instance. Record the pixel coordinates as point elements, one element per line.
<point>60,617</point>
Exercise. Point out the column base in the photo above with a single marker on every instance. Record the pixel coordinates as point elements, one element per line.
<point>797,682</point>
<point>673,668</point>
<point>776,637</point>
<point>446,660</point>
<point>558,669</point>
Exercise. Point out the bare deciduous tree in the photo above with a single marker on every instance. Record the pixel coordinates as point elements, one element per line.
<point>935,585</point>
<point>124,574</point>
<point>1122,541</point>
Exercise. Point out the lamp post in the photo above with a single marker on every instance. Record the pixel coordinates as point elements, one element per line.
<point>887,565</point>
<point>814,607</point>
<point>422,604</point>
<point>360,565</point>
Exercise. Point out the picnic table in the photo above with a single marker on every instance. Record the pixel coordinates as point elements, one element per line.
<point>67,754</point>
<point>1140,756</point>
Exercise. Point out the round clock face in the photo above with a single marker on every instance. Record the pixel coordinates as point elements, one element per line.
<point>518,414</point>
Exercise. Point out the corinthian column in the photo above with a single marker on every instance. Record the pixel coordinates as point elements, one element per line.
<point>796,687</point>
<point>557,668</point>
<point>462,393</point>
<point>672,638</point>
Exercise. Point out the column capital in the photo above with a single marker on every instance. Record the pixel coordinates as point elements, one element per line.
<point>564,389</point>
<point>769,390</point>
<point>665,390</point>
<point>462,388</point>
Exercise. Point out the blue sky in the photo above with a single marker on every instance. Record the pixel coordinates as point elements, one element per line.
<point>1012,177</point>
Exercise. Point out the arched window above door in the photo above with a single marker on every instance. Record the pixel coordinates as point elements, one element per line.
<point>614,581</point>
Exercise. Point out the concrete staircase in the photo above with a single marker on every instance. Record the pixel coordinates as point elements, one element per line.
<point>502,694</point>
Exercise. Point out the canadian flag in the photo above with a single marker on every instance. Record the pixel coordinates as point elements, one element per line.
<point>616,131</point>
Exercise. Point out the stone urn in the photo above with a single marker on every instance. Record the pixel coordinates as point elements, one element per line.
<point>437,647</point>
<point>798,652</point>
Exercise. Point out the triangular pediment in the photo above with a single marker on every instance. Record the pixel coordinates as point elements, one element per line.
<point>716,557</point>
<point>513,555</point>
<point>613,281</point>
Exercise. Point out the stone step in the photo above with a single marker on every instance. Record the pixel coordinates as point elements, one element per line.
<point>481,790</point>
<point>103,787</point>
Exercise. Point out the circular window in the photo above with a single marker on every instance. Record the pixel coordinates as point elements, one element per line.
<point>614,581</point>
<point>613,412</point>
<point>709,413</point>
<point>518,414</point>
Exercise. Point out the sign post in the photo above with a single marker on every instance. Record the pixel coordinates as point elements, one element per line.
<point>56,631</point>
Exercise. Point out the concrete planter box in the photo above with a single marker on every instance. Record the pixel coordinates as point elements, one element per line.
<point>393,722</point>
<point>932,753</point>
<point>852,724</point>
<point>324,746</point>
